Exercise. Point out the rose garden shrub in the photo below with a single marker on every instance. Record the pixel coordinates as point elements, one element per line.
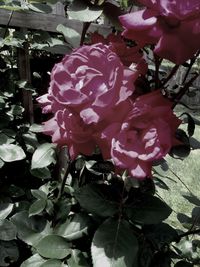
<point>89,197</point>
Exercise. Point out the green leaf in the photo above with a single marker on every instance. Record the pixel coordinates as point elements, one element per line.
<point>4,120</point>
<point>30,229</point>
<point>50,207</point>
<point>160,234</point>
<point>101,166</point>
<point>43,173</point>
<point>52,263</point>
<point>74,228</point>
<point>10,152</point>
<point>114,244</point>
<point>2,103</point>
<point>39,7</point>
<point>7,230</point>
<point>43,156</point>
<point>58,49</point>
<point>53,247</point>
<point>114,15</point>
<point>77,259</point>
<point>186,248</point>
<point>148,210</point>
<point>47,1</point>
<point>1,163</point>
<point>39,194</point>
<point>192,198</point>
<point>191,123</point>
<point>36,128</point>
<point>71,36</point>
<point>79,10</point>
<point>183,264</point>
<point>4,139</point>
<point>10,133</point>
<point>11,8</point>
<point>35,261</point>
<point>124,3</point>
<point>9,253</point>
<point>37,207</point>
<point>31,141</point>
<point>95,198</point>
<point>5,210</point>
<point>183,150</point>
<point>16,110</point>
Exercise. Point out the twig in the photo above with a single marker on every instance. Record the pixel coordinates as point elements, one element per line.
<point>180,180</point>
<point>190,66</point>
<point>173,71</point>
<point>184,90</point>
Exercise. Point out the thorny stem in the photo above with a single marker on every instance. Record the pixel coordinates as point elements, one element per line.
<point>193,232</point>
<point>64,179</point>
<point>86,25</point>
<point>119,219</point>
<point>157,66</point>
<point>184,90</point>
<point>131,7</point>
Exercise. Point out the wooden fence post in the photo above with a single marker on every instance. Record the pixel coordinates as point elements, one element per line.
<point>25,74</point>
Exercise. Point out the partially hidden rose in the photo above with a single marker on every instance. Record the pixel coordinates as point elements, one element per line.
<point>172,26</point>
<point>127,55</point>
<point>147,134</point>
<point>68,129</point>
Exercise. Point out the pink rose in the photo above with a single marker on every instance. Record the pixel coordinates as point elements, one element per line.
<point>147,134</point>
<point>87,89</point>
<point>68,129</point>
<point>172,26</point>
<point>90,82</point>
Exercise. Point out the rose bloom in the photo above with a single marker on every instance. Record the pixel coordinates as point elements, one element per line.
<point>90,82</point>
<point>87,89</point>
<point>172,26</point>
<point>147,134</point>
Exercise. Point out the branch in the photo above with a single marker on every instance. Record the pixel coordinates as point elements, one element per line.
<point>192,232</point>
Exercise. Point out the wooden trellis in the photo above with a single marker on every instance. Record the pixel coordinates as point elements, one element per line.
<point>46,22</point>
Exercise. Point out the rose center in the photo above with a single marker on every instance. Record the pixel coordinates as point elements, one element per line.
<point>171,22</point>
